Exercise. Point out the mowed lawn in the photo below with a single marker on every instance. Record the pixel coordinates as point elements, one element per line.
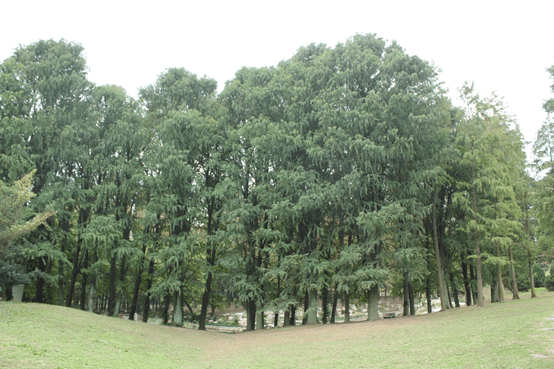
<point>515,334</point>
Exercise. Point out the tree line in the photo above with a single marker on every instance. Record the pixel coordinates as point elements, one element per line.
<point>332,176</point>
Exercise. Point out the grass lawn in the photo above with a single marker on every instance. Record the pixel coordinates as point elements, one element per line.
<point>515,334</point>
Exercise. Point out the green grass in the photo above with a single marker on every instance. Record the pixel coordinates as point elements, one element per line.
<point>496,336</point>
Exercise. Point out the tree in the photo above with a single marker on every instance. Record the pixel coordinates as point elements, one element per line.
<point>549,104</point>
<point>182,110</point>
<point>543,148</point>
<point>14,214</point>
<point>491,148</point>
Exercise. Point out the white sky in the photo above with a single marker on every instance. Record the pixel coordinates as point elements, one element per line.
<point>499,45</point>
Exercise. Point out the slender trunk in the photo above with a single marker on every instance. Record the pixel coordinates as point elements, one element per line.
<point>178,310</point>
<point>324,303</point>
<point>473,280</point>
<point>346,302</point>
<point>412,299</point>
<point>373,303</point>
<point>112,289</point>
<point>251,315</point>
<point>60,268</point>
<point>466,280</point>
<point>85,282</point>
<point>148,287</point>
<point>428,295</point>
<point>440,272</point>
<point>406,292</point>
<point>494,289</point>
<point>449,300</point>
<point>531,276</point>
<point>454,290</point>
<point>165,312</point>
<point>276,313</point>
<point>90,306</point>
<point>205,302</point>
<point>311,316</point>
<point>499,275</point>
<point>334,307</point>
<point>292,315</point>
<point>210,257</point>
<point>207,289</point>
<point>515,294</point>
<point>529,254</point>
<point>480,296</point>
<point>136,289</point>
<point>74,274</point>
<point>83,220</point>
<point>260,320</point>
<point>39,294</point>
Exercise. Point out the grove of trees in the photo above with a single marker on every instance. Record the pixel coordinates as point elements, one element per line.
<point>337,174</point>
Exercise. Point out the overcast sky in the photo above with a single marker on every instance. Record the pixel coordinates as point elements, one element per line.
<point>501,47</point>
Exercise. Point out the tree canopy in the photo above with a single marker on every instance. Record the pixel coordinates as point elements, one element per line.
<point>341,173</point>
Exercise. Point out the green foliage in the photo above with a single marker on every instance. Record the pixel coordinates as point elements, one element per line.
<point>323,173</point>
<point>14,212</point>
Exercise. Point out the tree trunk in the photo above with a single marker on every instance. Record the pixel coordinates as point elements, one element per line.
<point>473,277</point>
<point>306,307</point>
<point>207,290</point>
<point>494,290</point>
<point>412,299</point>
<point>286,321</point>
<point>346,307</point>
<point>250,315</point>
<point>428,295</point>
<point>531,276</point>
<point>178,310</point>
<point>440,271</point>
<point>39,294</point>
<point>529,254</point>
<point>406,292</point>
<point>311,313</point>
<point>90,306</point>
<point>276,313</point>
<point>292,315</point>
<point>136,291</point>
<point>454,290</point>
<point>74,274</point>
<point>260,320</point>
<point>373,303</point>
<point>165,312</point>
<point>82,303</point>
<point>515,293</point>
<point>334,307</point>
<point>324,304</point>
<point>466,280</point>
<point>480,296</point>
<point>112,289</point>
<point>210,258</point>
<point>148,287</point>
<point>61,280</point>
<point>499,279</point>
<point>83,220</point>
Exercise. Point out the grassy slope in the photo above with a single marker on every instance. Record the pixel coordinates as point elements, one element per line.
<point>497,336</point>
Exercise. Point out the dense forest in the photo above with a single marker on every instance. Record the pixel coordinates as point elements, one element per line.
<point>339,173</point>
